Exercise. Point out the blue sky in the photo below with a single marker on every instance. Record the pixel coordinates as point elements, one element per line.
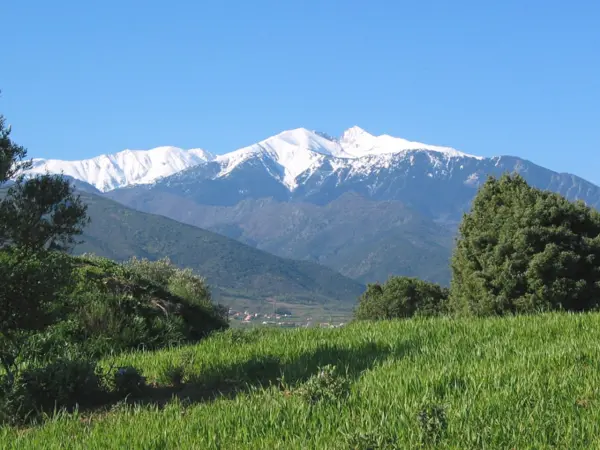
<point>514,77</point>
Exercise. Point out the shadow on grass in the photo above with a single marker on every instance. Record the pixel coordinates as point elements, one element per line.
<point>230,380</point>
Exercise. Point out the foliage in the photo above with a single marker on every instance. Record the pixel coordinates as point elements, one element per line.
<point>42,212</point>
<point>283,310</point>
<point>30,285</point>
<point>433,423</point>
<point>128,381</point>
<point>174,374</point>
<point>523,250</point>
<point>11,155</point>
<point>37,216</point>
<point>401,297</point>
<point>60,384</point>
<point>327,385</point>
<point>181,282</point>
<point>114,307</point>
<point>371,440</point>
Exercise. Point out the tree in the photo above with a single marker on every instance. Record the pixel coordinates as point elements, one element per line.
<point>40,212</point>
<point>401,297</point>
<point>11,154</point>
<point>523,250</point>
<point>37,215</point>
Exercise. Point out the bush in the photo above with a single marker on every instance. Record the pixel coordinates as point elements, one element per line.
<point>127,381</point>
<point>112,307</point>
<point>401,297</point>
<point>30,286</point>
<point>327,385</point>
<point>522,250</point>
<point>62,384</point>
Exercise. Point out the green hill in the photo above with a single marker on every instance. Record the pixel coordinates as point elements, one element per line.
<point>237,274</point>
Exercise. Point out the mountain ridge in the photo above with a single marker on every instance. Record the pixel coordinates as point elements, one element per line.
<point>292,152</point>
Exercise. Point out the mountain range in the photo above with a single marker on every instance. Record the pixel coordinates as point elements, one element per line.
<point>367,206</point>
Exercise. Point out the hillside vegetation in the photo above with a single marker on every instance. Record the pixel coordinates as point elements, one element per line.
<point>522,382</point>
<point>363,239</point>
<point>233,270</point>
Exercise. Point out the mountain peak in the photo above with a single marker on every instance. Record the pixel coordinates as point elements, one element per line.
<point>127,167</point>
<point>353,133</point>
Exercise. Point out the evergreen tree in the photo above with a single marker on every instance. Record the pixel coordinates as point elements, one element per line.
<point>37,215</point>
<point>524,250</point>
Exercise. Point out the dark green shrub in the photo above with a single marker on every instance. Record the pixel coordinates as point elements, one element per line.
<point>113,308</point>
<point>30,288</point>
<point>523,250</point>
<point>401,297</point>
<point>127,381</point>
<point>63,383</point>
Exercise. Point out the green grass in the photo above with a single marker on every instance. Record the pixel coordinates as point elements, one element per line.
<point>526,382</point>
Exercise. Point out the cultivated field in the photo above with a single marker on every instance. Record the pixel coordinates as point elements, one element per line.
<point>525,382</point>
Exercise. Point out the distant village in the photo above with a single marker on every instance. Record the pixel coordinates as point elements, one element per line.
<point>283,320</point>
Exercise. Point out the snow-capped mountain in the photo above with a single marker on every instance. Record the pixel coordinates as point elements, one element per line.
<point>294,155</point>
<point>289,157</point>
<point>307,166</point>
<point>368,206</point>
<point>125,168</point>
<point>304,165</point>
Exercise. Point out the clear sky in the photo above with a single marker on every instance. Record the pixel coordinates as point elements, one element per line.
<point>517,77</point>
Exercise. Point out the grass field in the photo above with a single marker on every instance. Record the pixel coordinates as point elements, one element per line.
<point>525,382</point>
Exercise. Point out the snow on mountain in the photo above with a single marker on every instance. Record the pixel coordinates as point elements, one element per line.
<point>358,143</point>
<point>128,167</point>
<point>295,151</point>
<point>285,156</point>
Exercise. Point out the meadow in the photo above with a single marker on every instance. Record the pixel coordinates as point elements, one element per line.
<point>515,382</point>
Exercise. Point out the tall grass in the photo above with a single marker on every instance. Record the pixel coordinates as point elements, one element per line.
<point>523,382</point>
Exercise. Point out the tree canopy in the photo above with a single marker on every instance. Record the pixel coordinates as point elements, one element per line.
<point>401,297</point>
<point>523,250</point>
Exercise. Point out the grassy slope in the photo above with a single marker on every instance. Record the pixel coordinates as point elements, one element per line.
<point>526,382</point>
<point>234,270</point>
